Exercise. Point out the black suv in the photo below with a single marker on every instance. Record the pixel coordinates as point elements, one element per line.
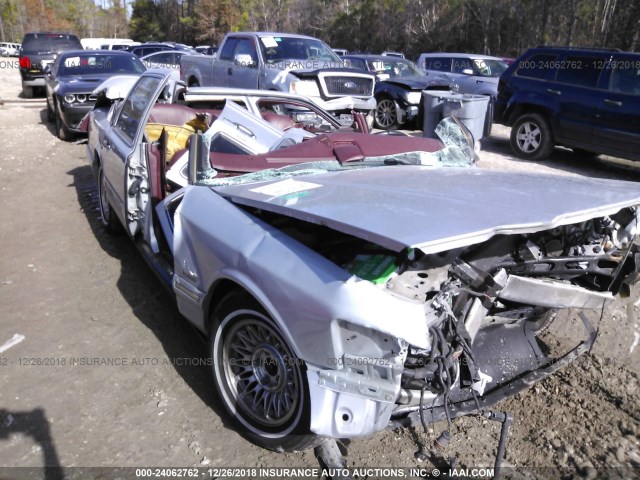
<point>38,51</point>
<point>585,99</point>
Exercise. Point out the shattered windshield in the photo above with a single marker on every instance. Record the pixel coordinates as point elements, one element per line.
<point>457,152</point>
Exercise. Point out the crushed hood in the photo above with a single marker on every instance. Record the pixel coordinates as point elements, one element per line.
<point>412,83</point>
<point>435,209</point>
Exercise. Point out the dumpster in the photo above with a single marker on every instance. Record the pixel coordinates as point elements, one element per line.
<point>471,110</point>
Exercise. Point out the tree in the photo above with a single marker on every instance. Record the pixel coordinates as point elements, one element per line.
<point>145,24</point>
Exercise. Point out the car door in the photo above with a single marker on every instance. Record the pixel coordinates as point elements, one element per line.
<point>438,70</point>
<point>577,90</point>
<point>462,70</point>
<point>123,153</point>
<point>223,65</point>
<point>243,73</point>
<point>618,128</point>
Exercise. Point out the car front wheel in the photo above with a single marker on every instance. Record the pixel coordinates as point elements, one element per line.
<point>531,137</point>
<point>61,131</point>
<point>50,115</point>
<point>386,116</point>
<point>260,381</point>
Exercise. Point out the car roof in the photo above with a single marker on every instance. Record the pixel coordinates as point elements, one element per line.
<point>273,34</point>
<point>586,49</point>
<point>63,34</point>
<point>470,55</point>
<point>382,58</point>
<point>162,52</point>
<point>96,52</point>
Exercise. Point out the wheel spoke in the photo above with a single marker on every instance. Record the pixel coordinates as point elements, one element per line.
<point>260,373</point>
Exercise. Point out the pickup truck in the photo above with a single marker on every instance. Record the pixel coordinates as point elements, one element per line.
<point>287,63</point>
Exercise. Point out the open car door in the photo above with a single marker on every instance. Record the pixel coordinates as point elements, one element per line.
<point>136,110</point>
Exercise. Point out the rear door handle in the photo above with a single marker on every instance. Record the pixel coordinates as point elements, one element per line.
<point>554,92</point>
<point>615,103</point>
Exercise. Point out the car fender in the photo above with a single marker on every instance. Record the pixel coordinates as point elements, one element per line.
<point>530,102</point>
<point>281,274</point>
<point>275,79</point>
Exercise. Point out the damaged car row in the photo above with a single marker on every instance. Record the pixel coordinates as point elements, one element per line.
<point>348,282</point>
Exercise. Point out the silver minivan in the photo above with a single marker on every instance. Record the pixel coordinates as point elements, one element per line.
<point>464,72</point>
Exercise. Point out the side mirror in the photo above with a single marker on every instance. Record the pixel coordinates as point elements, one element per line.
<point>245,60</point>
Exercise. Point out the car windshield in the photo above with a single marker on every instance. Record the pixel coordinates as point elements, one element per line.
<point>45,43</point>
<point>457,152</point>
<point>95,64</point>
<point>489,68</point>
<point>276,49</point>
<point>396,68</point>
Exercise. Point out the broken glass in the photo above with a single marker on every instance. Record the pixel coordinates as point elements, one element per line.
<point>457,152</point>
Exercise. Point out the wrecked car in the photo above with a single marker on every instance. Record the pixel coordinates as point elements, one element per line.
<point>348,282</point>
<point>398,90</point>
<point>178,112</point>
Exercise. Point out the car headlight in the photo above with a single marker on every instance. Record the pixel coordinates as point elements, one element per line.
<point>69,98</point>
<point>308,88</point>
<point>81,97</point>
<point>414,97</point>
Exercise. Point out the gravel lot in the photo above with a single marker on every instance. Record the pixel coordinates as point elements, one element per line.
<point>79,296</point>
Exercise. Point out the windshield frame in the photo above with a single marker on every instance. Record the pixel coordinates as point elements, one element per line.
<point>97,68</point>
<point>291,50</point>
<point>393,62</point>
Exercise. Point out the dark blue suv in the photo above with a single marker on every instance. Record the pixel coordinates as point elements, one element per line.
<point>585,99</point>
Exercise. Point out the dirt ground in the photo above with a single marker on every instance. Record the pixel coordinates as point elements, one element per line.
<point>79,296</point>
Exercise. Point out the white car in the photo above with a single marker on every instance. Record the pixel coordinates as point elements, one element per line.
<point>464,72</point>
<point>9,49</point>
<point>164,59</point>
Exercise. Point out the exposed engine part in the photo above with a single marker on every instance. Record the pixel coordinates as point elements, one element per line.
<point>442,441</point>
<point>506,420</point>
<point>485,303</point>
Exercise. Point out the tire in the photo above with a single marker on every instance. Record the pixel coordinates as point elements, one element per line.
<point>109,221</point>
<point>61,131</point>
<point>27,92</point>
<point>261,383</point>
<point>50,115</point>
<point>585,153</point>
<point>531,137</point>
<point>385,116</point>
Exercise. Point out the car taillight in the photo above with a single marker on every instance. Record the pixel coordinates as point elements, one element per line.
<point>25,62</point>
